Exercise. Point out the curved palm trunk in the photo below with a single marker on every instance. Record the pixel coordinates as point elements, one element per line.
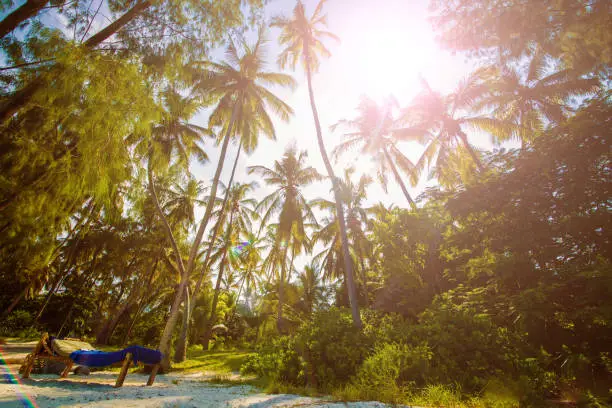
<point>217,227</point>
<point>180,349</point>
<point>25,11</point>
<point>185,327</point>
<point>471,151</point>
<point>348,265</point>
<point>399,180</point>
<point>213,309</point>
<point>164,342</point>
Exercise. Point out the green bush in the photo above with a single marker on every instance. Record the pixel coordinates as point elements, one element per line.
<point>276,360</point>
<point>326,352</point>
<point>17,322</point>
<point>396,366</point>
<point>467,347</point>
<point>332,348</point>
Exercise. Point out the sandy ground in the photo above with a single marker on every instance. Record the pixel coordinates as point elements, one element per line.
<point>172,390</point>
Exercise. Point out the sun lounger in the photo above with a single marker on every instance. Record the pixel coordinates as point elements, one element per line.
<point>70,351</point>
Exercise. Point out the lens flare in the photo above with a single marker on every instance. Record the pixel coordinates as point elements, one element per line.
<point>237,249</point>
<point>13,378</point>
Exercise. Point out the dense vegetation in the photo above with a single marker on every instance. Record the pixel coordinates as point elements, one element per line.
<point>493,287</point>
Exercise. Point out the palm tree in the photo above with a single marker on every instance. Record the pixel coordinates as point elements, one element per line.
<point>373,131</point>
<point>239,86</point>
<point>288,176</point>
<point>242,212</point>
<point>312,290</point>
<point>532,97</point>
<point>329,259</point>
<point>173,138</point>
<point>438,120</point>
<point>181,202</point>
<point>302,38</point>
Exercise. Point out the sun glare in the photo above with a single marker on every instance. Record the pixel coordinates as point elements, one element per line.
<point>391,60</point>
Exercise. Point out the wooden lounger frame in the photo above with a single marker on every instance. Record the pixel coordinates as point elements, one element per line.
<point>43,352</point>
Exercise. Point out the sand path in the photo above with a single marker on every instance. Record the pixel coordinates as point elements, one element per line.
<point>171,390</point>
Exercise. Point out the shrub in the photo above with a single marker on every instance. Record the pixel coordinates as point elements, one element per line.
<point>332,348</point>
<point>326,352</point>
<point>394,365</point>
<point>16,322</point>
<point>276,360</point>
<point>467,347</point>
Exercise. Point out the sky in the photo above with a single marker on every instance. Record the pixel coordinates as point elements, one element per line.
<point>384,48</point>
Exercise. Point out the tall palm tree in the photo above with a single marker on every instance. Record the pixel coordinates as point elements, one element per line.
<point>173,139</point>
<point>438,120</point>
<point>372,130</point>
<point>241,210</point>
<point>239,86</point>
<point>288,176</point>
<point>302,38</point>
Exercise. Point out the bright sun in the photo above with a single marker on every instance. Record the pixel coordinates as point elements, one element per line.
<point>391,61</point>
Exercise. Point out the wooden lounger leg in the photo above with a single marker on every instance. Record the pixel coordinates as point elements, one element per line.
<point>67,369</point>
<point>124,370</point>
<point>31,358</point>
<point>153,374</point>
<point>27,366</point>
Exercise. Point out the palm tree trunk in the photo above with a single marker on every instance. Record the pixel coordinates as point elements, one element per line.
<point>180,349</point>
<point>280,326</point>
<point>213,308</point>
<point>15,302</point>
<point>471,151</point>
<point>348,265</point>
<point>29,9</point>
<point>399,180</point>
<point>21,97</point>
<point>217,227</point>
<point>196,289</point>
<point>364,276</point>
<point>164,342</point>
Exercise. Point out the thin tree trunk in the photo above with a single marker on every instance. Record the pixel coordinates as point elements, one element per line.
<point>348,265</point>
<point>15,302</point>
<point>84,284</point>
<point>213,308</point>
<point>471,151</point>
<point>399,180</point>
<point>164,343</point>
<point>216,229</point>
<point>180,350</point>
<point>22,96</point>
<point>141,302</point>
<point>213,190</point>
<point>29,9</point>
<point>280,326</point>
<point>364,276</point>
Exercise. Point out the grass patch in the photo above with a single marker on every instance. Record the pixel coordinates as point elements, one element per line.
<point>430,396</point>
<point>226,380</point>
<point>222,362</point>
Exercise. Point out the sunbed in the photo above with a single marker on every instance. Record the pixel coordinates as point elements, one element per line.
<point>71,351</point>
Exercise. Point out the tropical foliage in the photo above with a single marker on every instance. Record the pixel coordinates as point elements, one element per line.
<point>494,281</point>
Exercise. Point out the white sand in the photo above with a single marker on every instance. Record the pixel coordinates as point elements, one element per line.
<point>171,390</point>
